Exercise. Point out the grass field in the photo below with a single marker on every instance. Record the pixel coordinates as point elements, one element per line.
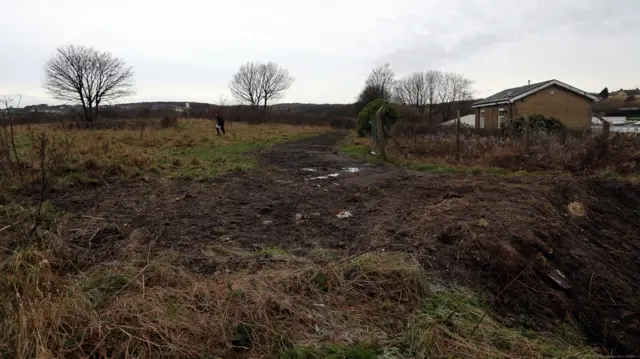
<point>76,284</point>
<point>192,150</point>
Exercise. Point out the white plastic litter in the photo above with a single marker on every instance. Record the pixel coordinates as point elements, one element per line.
<point>344,214</point>
<point>326,177</point>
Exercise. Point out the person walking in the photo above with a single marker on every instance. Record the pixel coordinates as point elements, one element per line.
<point>219,124</point>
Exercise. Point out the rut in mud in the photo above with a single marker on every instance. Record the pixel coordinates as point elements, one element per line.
<point>582,263</point>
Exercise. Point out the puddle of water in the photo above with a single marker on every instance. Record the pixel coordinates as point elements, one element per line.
<point>351,169</point>
<point>326,177</point>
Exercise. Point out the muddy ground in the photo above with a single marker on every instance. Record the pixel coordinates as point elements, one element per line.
<point>486,231</point>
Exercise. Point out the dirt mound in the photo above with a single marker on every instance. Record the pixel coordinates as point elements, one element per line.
<point>545,252</point>
<point>548,250</point>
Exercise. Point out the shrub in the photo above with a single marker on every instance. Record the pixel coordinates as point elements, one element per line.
<point>390,115</point>
<point>534,123</point>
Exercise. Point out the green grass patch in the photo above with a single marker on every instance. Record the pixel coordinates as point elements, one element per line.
<point>454,323</point>
<point>209,160</point>
<point>273,250</point>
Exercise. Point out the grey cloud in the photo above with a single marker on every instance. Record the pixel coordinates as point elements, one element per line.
<point>496,23</point>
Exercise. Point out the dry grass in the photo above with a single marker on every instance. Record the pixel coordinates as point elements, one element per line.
<point>145,307</point>
<point>191,149</point>
<point>445,329</point>
<point>579,154</point>
<point>149,309</point>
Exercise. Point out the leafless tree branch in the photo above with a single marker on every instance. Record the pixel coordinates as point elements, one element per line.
<point>275,80</point>
<point>246,84</point>
<point>255,83</point>
<point>380,83</point>
<point>83,75</point>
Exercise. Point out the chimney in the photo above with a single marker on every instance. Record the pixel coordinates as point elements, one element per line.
<point>529,82</point>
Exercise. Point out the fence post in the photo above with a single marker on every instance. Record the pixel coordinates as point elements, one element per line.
<point>380,134</point>
<point>606,128</point>
<point>458,136</point>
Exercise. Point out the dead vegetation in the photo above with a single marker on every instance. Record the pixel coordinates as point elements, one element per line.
<point>145,307</point>
<point>580,153</point>
<point>257,264</point>
<point>188,149</point>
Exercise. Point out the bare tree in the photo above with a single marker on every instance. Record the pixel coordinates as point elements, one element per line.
<point>433,79</point>
<point>453,88</point>
<point>246,85</point>
<point>274,81</point>
<point>412,90</point>
<point>382,79</point>
<point>83,75</point>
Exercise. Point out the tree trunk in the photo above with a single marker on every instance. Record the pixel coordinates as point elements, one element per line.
<point>87,117</point>
<point>96,111</point>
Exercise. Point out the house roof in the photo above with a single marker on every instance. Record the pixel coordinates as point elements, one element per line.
<point>513,94</point>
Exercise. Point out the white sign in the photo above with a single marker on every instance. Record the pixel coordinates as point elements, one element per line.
<point>186,105</point>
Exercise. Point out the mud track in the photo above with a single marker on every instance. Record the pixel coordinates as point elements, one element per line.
<point>479,230</point>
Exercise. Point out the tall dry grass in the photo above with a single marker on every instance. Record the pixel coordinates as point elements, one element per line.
<point>145,307</point>
<point>139,148</point>
<point>575,153</point>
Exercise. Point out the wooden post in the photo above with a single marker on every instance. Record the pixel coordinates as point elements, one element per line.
<point>380,133</point>
<point>458,136</point>
<point>606,128</point>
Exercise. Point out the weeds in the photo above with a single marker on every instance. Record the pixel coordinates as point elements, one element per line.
<point>579,153</point>
<point>150,308</point>
<point>190,149</point>
<point>447,319</point>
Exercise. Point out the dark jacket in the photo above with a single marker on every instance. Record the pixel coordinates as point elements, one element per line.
<point>219,120</point>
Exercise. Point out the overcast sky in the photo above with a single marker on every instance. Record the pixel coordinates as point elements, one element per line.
<point>189,49</point>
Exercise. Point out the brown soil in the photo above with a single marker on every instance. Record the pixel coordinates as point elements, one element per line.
<point>571,244</point>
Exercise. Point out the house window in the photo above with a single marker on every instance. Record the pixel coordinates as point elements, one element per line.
<point>502,115</point>
<point>481,118</point>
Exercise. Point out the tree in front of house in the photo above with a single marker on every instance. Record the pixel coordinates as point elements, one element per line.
<point>87,77</point>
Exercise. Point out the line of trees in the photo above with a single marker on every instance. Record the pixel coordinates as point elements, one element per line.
<point>88,77</point>
<point>421,90</point>
<point>257,83</point>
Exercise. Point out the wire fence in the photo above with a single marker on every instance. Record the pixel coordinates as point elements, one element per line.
<point>601,148</point>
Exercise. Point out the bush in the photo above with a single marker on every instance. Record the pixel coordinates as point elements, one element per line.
<point>534,123</point>
<point>390,115</point>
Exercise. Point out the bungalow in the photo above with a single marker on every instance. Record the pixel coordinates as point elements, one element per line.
<point>550,98</point>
